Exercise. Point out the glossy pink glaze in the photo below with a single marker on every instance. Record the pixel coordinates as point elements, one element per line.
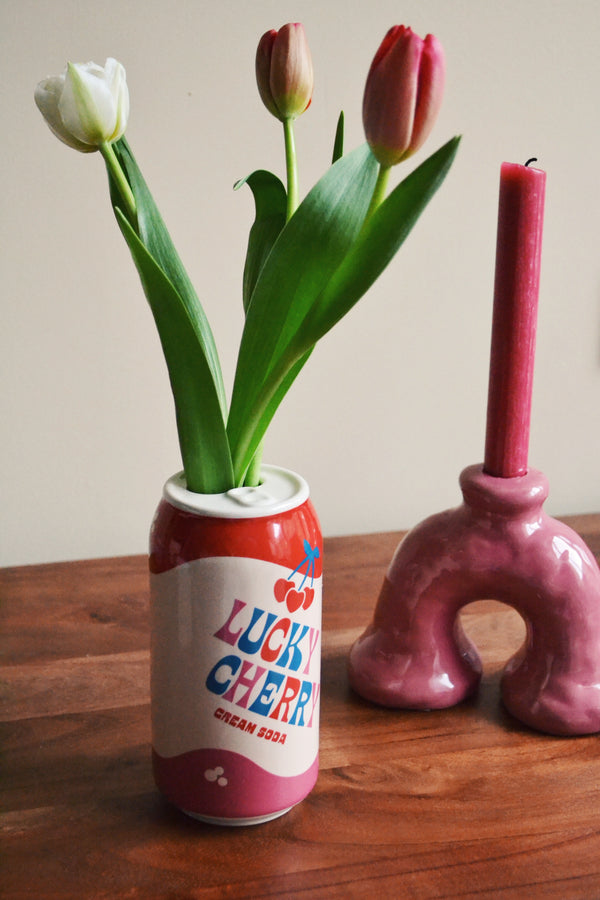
<point>498,544</point>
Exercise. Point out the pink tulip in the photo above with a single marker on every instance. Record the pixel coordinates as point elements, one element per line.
<point>284,71</point>
<point>403,94</point>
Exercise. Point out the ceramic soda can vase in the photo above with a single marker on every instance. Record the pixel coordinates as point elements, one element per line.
<point>236,648</point>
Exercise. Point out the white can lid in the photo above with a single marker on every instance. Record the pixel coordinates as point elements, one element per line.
<point>279,491</point>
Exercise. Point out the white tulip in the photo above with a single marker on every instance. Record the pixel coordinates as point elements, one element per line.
<point>87,105</point>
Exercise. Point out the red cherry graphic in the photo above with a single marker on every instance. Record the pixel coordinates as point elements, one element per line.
<point>309,594</point>
<point>294,600</point>
<point>281,588</point>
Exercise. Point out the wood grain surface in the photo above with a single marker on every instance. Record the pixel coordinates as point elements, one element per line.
<point>458,803</point>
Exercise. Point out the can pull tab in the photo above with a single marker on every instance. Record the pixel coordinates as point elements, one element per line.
<point>251,496</point>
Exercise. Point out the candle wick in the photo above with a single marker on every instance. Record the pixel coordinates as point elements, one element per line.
<point>533,159</point>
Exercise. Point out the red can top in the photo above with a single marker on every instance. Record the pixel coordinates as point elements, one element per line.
<point>275,522</point>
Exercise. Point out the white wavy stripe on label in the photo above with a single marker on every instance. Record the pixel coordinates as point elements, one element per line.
<point>236,650</point>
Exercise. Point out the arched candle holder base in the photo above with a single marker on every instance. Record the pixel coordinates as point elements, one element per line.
<point>498,544</point>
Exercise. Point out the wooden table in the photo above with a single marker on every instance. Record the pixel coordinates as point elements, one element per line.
<point>460,803</point>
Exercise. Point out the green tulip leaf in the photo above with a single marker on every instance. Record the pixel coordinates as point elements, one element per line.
<point>157,240</point>
<point>185,336</point>
<point>303,259</point>
<point>379,241</point>
<point>252,475</point>
<point>270,201</point>
<point>338,143</point>
<point>200,424</point>
<point>332,292</point>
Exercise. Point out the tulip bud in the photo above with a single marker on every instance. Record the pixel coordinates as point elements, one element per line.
<point>284,71</point>
<point>87,105</point>
<point>403,94</point>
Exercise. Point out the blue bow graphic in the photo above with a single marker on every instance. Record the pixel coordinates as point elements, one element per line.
<point>312,553</point>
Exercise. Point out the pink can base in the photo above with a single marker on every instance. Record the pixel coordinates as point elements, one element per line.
<point>229,788</point>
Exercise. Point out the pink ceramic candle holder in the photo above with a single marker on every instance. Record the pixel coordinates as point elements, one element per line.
<point>499,543</point>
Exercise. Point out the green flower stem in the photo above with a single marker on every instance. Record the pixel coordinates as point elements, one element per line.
<point>118,174</point>
<point>252,478</point>
<point>379,190</point>
<point>291,165</point>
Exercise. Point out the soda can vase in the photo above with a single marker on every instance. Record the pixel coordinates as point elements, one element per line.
<point>235,586</point>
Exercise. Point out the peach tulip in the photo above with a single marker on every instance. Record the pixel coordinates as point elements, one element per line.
<point>284,71</point>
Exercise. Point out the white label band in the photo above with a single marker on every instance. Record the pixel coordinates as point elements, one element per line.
<point>236,649</point>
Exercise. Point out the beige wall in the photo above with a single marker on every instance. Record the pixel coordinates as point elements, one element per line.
<point>392,405</point>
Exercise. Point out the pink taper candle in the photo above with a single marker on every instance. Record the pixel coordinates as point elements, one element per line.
<point>518,252</point>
